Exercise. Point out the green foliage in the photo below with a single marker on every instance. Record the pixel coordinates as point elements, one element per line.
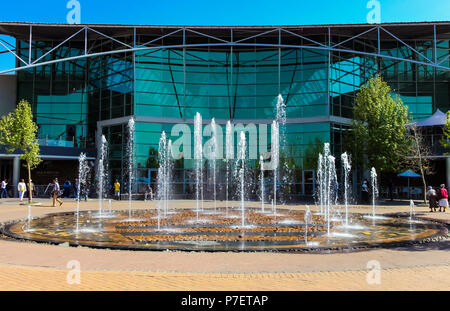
<point>445,141</point>
<point>379,136</point>
<point>152,160</point>
<point>18,131</point>
<point>312,154</point>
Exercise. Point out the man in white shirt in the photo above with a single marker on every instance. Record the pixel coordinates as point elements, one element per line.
<point>3,191</point>
<point>22,188</point>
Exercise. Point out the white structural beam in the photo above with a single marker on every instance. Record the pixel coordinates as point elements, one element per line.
<point>59,45</point>
<point>162,37</point>
<point>405,44</point>
<point>109,37</point>
<point>356,36</point>
<point>12,52</point>
<point>257,35</point>
<point>303,37</point>
<point>207,36</point>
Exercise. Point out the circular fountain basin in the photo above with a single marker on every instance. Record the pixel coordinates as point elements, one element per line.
<point>286,231</point>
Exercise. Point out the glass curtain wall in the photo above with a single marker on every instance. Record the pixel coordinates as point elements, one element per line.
<point>164,87</point>
<point>241,86</point>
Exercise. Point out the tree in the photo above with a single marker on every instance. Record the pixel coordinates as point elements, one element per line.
<point>379,137</point>
<point>152,160</point>
<point>311,154</point>
<point>18,132</point>
<point>445,141</point>
<point>418,159</point>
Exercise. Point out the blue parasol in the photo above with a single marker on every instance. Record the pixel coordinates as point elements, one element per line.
<point>409,174</point>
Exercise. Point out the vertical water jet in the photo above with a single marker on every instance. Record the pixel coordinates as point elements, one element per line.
<point>275,159</point>
<point>229,145</point>
<point>130,151</point>
<point>83,171</point>
<point>242,148</point>
<point>198,156</point>
<point>346,166</point>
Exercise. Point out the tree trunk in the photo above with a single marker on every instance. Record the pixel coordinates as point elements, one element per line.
<point>30,190</point>
<point>424,189</point>
<point>422,172</point>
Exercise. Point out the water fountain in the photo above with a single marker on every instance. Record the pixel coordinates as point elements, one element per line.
<point>323,178</point>
<point>198,156</point>
<point>320,183</point>
<point>83,171</point>
<point>281,113</point>
<point>327,180</point>
<point>229,155</point>
<point>162,191</point>
<point>28,229</point>
<point>278,231</point>
<point>373,178</point>
<point>284,174</point>
<point>130,152</point>
<point>331,182</point>
<point>412,211</point>
<point>164,174</point>
<point>214,158</point>
<point>168,175</point>
<point>308,220</point>
<point>346,167</point>
<point>102,172</point>
<point>275,161</point>
<point>241,156</point>
<point>261,180</point>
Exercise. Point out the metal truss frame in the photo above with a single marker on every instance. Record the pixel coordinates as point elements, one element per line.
<point>242,42</point>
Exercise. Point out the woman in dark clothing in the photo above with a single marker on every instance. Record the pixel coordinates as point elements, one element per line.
<point>432,199</point>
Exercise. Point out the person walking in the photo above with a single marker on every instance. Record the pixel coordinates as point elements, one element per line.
<point>55,192</point>
<point>365,191</point>
<point>67,185</point>
<point>443,198</point>
<point>432,199</point>
<point>3,191</point>
<point>117,190</point>
<point>22,188</point>
<point>148,192</point>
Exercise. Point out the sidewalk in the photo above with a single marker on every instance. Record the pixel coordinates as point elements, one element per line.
<point>419,267</point>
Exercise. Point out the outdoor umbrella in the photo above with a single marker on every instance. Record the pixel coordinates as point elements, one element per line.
<point>409,174</point>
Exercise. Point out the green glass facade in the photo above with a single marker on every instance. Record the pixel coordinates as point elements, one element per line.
<point>162,86</point>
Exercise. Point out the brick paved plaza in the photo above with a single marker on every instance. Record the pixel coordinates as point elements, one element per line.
<point>33,266</point>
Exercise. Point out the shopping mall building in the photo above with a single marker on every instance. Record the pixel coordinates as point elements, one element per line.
<point>87,79</point>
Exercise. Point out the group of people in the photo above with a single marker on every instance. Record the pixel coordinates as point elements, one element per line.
<point>68,189</point>
<point>437,199</point>
<point>21,189</point>
<point>57,194</point>
<point>67,186</point>
<point>148,191</point>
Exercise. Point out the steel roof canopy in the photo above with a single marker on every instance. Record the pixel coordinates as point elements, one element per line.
<point>54,31</point>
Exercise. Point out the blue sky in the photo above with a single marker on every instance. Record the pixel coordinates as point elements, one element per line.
<point>224,12</point>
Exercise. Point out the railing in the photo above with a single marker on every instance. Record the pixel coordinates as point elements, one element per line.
<point>62,141</point>
<point>55,143</point>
